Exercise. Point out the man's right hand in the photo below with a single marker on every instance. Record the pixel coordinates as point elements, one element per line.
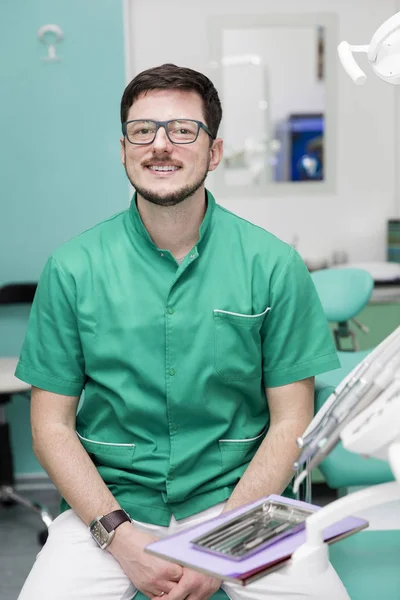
<point>149,574</point>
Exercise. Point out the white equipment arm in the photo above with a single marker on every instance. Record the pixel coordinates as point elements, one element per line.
<point>383,54</point>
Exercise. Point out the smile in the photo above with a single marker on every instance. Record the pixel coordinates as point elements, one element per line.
<point>164,169</point>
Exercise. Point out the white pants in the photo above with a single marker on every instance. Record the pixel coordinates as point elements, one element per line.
<point>71,566</point>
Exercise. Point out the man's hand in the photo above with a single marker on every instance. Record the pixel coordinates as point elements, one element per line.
<point>193,586</point>
<point>149,574</point>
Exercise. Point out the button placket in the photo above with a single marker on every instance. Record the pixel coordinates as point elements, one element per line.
<point>169,311</point>
<point>170,386</point>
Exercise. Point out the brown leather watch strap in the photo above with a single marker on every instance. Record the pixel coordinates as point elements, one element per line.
<point>114,519</point>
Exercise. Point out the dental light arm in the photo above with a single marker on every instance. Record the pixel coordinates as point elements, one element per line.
<point>383,54</point>
<point>349,63</point>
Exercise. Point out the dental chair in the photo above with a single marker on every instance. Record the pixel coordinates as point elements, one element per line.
<point>358,558</point>
<point>11,295</point>
<point>351,447</point>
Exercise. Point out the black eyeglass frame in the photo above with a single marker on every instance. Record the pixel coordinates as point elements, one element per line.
<point>164,124</point>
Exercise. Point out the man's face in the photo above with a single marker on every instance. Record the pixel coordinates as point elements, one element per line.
<point>190,162</point>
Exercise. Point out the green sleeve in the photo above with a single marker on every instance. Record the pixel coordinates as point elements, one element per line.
<point>51,356</point>
<point>297,342</point>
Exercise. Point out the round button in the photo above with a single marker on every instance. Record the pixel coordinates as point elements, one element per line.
<point>170,310</point>
<point>162,254</point>
<point>171,372</point>
<point>173,427</point>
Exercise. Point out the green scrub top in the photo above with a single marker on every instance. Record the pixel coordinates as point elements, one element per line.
<point>174,358</point>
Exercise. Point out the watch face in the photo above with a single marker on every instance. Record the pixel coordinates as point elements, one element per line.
<point>100,534</point>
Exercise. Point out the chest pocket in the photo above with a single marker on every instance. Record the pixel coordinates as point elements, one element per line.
<point>238,345</point>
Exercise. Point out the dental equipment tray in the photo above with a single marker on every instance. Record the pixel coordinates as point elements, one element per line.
<point>180,549</point>
<point>253,530</point>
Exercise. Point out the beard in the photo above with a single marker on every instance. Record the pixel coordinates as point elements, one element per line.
<point>172,198</point>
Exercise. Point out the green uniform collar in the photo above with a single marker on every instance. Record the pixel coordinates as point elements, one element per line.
<point>141,229</point>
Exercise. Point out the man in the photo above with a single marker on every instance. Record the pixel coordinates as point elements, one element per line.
<point>195,336</point>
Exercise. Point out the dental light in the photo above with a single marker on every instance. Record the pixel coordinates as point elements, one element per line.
<point>383,54</point>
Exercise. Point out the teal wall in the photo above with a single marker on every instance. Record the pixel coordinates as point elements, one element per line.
<point>60,166</point>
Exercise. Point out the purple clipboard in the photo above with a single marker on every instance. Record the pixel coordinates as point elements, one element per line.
<point>179,548</point>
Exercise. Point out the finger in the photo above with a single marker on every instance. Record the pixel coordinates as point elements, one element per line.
<point>193,586</point>
<point>160,590</point>
<point>175,572</point>
<point>180,592</point>
<point>168,587</point>
<point>165,588</point>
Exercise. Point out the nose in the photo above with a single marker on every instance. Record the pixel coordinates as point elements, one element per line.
<point>161,142</point>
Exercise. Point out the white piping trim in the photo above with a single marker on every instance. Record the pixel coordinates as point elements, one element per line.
<point>246,439</point>
<point>104,443</point>
<point>226,312</point>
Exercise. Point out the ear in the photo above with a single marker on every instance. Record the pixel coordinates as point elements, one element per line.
<point>122,151</point>
<point>216,153</point>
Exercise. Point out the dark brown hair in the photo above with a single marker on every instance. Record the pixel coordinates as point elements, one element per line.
<point>171,77</point>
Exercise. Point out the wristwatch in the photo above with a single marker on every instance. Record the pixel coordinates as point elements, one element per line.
<point>102,529</point>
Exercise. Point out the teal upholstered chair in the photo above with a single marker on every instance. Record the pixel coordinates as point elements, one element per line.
<point>367,562</point>
<point>343,294</point>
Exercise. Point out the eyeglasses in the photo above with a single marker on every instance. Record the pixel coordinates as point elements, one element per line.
<point>179,131</point>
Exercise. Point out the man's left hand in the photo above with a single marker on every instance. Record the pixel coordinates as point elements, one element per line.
<point>193,586</point>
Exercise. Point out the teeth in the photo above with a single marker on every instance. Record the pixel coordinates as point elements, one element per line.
<point>164,168</point>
